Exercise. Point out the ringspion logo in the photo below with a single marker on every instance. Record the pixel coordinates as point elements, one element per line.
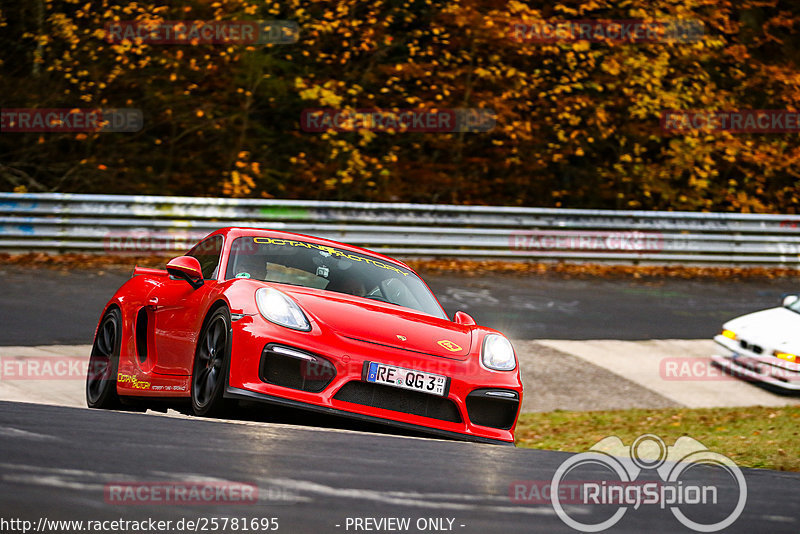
<point>666,479</point>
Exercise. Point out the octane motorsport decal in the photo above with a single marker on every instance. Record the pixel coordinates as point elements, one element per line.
<point>330,250</point>
<point>133,381</point>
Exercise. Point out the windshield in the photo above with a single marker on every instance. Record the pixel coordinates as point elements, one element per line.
<point>322,267</point>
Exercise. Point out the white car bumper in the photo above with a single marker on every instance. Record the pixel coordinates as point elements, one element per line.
<point>748,365</point>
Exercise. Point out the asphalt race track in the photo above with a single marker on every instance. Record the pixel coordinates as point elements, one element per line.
<point>62,461</point>
<point>522,307</point>
<point>58,462</point>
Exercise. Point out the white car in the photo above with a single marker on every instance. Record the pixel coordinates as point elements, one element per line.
<point>764,346</point>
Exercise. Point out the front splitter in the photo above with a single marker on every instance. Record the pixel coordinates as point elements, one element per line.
<point>243,394</point>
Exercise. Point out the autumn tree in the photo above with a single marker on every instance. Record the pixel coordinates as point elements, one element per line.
<point>577,122</point>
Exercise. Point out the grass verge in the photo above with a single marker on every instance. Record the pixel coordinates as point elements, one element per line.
<point>750,436</point>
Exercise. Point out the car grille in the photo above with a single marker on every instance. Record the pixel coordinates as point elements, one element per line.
<point>496,408</point>
<point>399,400</point>
<point>756,349</point>
<point>298,370</point>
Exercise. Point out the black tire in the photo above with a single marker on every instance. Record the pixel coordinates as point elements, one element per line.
<point>101,377</point>
<point>211,364</point>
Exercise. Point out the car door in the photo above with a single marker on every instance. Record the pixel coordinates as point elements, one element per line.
<point>177,307</point>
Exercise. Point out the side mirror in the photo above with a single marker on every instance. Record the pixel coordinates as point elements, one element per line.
<point>788,300</point>
<point>464,318</point>
<point>186,268</point>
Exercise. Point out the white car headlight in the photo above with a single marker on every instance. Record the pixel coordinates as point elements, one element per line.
<point>278,308</point>
<point>498,354</point>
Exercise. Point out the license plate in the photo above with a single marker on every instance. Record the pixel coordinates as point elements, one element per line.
<point>400,377</point>
<point>748,363</point>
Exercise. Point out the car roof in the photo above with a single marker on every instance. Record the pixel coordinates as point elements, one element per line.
<point>241,231</point>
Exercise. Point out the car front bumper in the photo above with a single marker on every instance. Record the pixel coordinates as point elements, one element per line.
<point>476,399</point>
<point>746,364</point>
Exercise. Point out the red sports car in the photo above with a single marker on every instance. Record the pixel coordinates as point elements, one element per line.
<point>293,320</point>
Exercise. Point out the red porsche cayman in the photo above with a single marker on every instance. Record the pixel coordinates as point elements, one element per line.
<point>299,321</point>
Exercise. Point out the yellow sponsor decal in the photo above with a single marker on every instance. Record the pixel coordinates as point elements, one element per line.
<point>330,250</point>
<point>167,388</point>
<point>133,381</point>
<point>449,345</point>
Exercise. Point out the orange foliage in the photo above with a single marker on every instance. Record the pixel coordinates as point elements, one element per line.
<point>577,123</point>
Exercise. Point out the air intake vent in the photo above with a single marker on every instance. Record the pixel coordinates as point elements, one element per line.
<point>757,349</point>
<point>296,369</point>
<point>141,335</point>
<point>399,400</point>
<point>496,408</point>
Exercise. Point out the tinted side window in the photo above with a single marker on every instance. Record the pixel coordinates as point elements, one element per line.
<point>207,253</point>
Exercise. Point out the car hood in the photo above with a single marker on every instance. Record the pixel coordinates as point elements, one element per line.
<point>776,328</point>
<point>385,324</point>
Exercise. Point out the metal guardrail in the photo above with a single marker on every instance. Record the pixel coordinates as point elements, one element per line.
<point>55,222</point>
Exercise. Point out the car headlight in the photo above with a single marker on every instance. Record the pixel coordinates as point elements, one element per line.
<point>498,354</point>
<point>278,308</point>
<point>788,356</point>
<point>730,334</point>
